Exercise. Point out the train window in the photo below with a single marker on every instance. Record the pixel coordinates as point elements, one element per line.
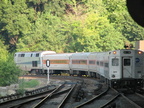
<point>126,62</point>
<point>97,62</point>
<point>22,55</point>
<point>83,61</point>
<point>31,55</point>
<point>79,61</point>
<point>127,52</point>
<point>37,55</point>
<point>115,62</point>
<point>91,62</point>
<point>59,61</point>
<point>106,64</point>
<point>34,63</point>
<point>101,63</point>
<point>75,62</point>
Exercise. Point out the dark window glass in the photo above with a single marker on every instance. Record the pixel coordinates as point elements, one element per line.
<point>97,62</point>
<point>126,62</point>
<point>127,52</point>
<point>22,55</point>
<point>75,62</point>
<point>34,63</point>
<point>106,64</point>
<point>91,62</point>
<point>37,55</point>
<point>115,62</point>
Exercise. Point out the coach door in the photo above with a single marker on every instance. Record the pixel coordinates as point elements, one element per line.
<point>127,67</point>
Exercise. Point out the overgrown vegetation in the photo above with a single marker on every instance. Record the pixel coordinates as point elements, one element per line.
<point>9,72</point>
<point>23,84</point>
<point>28,84</point>
<point>62,26</point>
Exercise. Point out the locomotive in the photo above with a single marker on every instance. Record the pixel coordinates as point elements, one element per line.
<point>119,68</point>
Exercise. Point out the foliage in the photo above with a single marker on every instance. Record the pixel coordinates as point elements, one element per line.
<point>66,25</point>
<point>9,72</point>
<point>15,20</point>
<point>46,38</point>
<point>119,16</point>
<point>3,51</point>
<point>20,91</point>
<point>28,84</point>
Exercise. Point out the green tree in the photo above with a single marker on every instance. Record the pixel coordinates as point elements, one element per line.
<point>15,21</point>
<point>3,51</point>
<point>93,33</point>
<point>119,16</point>
<point>9,72</point>
<point>66,25</point>
<point>46,35</point>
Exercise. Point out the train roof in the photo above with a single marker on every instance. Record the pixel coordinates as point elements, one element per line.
<point>59,54</point>
<point>81,54</point>
<point>35,52</point>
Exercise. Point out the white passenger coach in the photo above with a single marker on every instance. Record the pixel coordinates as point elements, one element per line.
<point>31,61</point>
<point>58,63</point>
<point>119,67</point>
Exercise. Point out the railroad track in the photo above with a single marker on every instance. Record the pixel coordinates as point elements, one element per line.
<point>39,100</point>
<point>100,100</point>
<point>136,100</point>
<point>34,96</point>
<point>17,99</point>
<point>57,98</point>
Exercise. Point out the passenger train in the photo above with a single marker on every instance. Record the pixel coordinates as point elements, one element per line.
<point>119,68</point>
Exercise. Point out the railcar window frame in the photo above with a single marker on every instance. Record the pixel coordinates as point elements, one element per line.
<point>37,54</point>
<point>34,63</point>
<point>91,62</point>
<point>101,63</point>
<point>59,61</point>
<point>127,62</point>
<point>106,64</point>
<point>97,62</point>
<point>22,55</point>
<point>75,62</point>
<point>115,62</point>
<point>83,61</point>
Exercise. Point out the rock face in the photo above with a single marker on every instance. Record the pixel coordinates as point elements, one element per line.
<point>8,90</point>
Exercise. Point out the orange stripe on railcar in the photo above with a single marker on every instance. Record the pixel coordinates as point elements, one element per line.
<point>57,61</point>
<point>81,62</point>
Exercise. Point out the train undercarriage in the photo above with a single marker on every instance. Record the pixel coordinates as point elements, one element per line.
<point>129,83</point>
<point>117,84</point>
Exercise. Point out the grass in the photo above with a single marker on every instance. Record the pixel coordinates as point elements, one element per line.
<point>28,84</point>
